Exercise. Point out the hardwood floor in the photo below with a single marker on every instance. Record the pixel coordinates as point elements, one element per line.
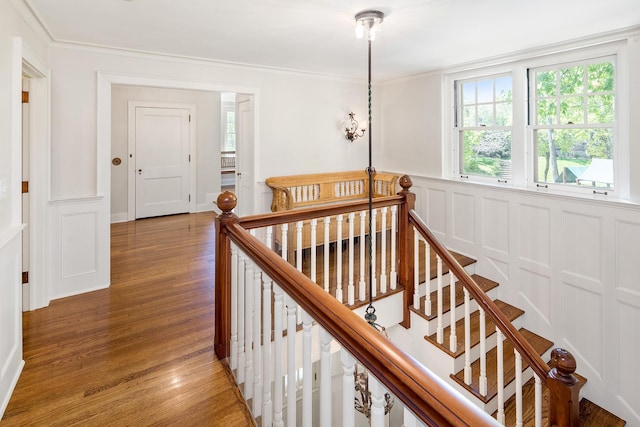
<point>138,353</point>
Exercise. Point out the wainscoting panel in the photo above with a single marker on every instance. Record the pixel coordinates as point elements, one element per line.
<point>464,218</point>
<point>80,246</point>
<point>436,211</point>
<point>534,234</point>
<point>582,245</point>
<point>628,256</point>
<point>79,254</point>
<point>571,263</point>
<point>495,225</point>
<point>583,324</point>
<point>629,319</point>
<point>11,308</point>
<point>536,291</point>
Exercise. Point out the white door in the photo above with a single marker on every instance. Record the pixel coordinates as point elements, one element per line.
<point>244,155</point>
<point>162,161</point>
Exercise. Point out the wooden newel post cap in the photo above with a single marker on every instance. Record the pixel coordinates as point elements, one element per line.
<point>405,182</point>
<point>563,365</point>
<point>227,201</point>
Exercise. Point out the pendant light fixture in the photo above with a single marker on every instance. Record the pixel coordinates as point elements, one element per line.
<point>367,22</point>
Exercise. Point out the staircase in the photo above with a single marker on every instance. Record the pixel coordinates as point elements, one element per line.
<point>450,360</point>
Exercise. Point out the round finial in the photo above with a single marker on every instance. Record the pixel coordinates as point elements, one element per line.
<point>227,201</point>
<point>563,362</point>
<point>405,182</point>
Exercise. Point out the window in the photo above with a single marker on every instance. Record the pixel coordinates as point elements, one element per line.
<point>484,117</point>
<point>572,115</point>
<point>229,123</point>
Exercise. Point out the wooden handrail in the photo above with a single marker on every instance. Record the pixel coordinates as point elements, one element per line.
<point>425,394</point>
<point>283,217</point>
<point>525,349</point>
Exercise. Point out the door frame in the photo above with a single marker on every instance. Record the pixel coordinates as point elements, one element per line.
<point>26,64</point>
<point>131,143</point>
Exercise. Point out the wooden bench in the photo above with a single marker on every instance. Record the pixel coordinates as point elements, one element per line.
<point>306,191</point>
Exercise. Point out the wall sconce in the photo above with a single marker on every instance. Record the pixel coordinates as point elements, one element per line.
<point>353,127</point>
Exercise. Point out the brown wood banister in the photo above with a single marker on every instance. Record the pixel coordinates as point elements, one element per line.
<point>428,396</point>
<point>525,349</point>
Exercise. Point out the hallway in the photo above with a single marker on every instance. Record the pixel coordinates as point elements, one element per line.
<point>137,353</point>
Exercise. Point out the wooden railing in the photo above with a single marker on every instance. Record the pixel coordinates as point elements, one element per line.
<point>426,395</point>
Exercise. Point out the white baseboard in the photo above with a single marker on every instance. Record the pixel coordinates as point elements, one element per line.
<point>119,217</point>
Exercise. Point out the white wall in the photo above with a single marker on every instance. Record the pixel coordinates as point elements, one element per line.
<point>206,160</point>
<point>571,263</point>
<point>298,130</point>
<point>17,41</point>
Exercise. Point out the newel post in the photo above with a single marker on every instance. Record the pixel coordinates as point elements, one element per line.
<point>564,387</point>
<point>405,246</point>
<point>227,201</point>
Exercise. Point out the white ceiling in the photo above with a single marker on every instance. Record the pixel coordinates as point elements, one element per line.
<point>318,35</point>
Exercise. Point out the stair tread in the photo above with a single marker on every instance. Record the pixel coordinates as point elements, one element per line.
<point>540,344</point>
<point>485,284</point>
<point>591,415</point>
<point>509,310</point>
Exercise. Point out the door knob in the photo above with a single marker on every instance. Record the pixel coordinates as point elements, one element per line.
<point>139,171</point>
<point>239,173</point>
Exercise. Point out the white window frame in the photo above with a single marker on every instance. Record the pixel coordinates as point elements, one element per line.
<point>522,148</point>
<point>459,125</point>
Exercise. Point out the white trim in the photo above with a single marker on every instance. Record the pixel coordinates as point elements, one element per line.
<point>131,146</point>
<point>24,62</point>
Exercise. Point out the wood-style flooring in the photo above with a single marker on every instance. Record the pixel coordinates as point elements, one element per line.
<point>139,353</point>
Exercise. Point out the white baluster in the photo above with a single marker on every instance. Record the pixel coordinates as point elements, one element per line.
<point>339,219</point>
<point>314,226</point>
<point>483,354</point>
<point>500,375</point>
<point>453,339</point>
<point>325,378</point>
<point>277,355</point>
<point>393,275</point>
<point>409,420</point>
<point>241,306</point>
<point>325,272</point>
<point>377,402</point>
<point>440,329</point>
<point>383,251</point>
<point>257,348</point>
<point>267,404</point>
<point>348,390</point>
<point>269,237</point>
<point>307,386</point>
<point>233,359</point>
<point>538,399</point>
<point>363,236</point>
<point>284,240</point>
<point>518,368</point>
<point>374,285</point>
<point>427,278</point>
<point>299,226</point>
<point>351,290</point>
<point>248,326</point>
<point>416,270</point>
<point>291,361</point>
<point>467,337</point>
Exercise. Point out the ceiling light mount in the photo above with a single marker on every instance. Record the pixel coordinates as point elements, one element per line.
<point>369,20</point>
